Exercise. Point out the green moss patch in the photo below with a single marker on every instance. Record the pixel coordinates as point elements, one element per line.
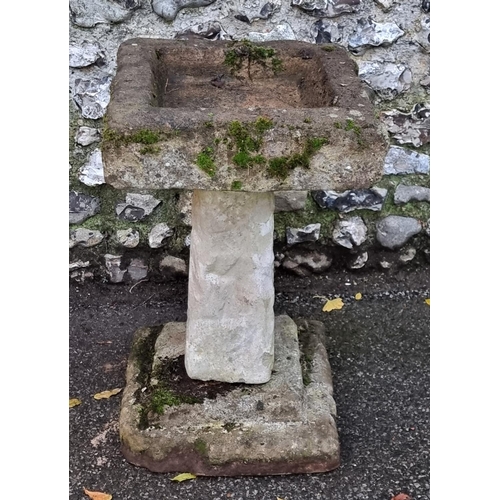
<point>246,140</point>
<point>247,54</point>
<point>280,167</point>
<point>205,161</point>
<point>236,185</point>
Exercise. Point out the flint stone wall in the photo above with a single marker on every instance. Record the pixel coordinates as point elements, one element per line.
<point>114,233</point>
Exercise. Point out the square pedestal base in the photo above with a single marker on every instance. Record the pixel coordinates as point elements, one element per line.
<point>171,423</point>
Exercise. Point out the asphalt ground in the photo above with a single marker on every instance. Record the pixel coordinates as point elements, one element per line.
<point>379,354</point>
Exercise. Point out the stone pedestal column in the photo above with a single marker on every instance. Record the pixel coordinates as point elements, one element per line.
<point>230,319</point>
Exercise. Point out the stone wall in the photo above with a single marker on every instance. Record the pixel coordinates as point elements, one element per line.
<point>120,236</point>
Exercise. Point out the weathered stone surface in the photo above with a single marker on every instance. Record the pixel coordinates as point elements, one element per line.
<point>85,237</point>
<point>288,201</point>
<point>404,161</point>
<point>290,124</point>
<point>231,292</point>
<point>372,34</point>
<point>409,128</point>
<point>87,135</point>
<point>173,266</point>
<point>113,268</point>
<point>136,207</point>
<point>81,207</point>
<point>302,234</point>
<point>129,238</point>
<point>86,54</point>
<point>423,36</point>
<point>282,31</point>
<point>394,231</point>
<point>88,13</point>
<point>304,261</point>
<point>327,8</point>
<point>367,199</point>
<point>92,173</point>
<point>137,270</point>
<point>350,232</point>
<point>405,194</point>
<point>159,234</point>
<point>387,79</point>
<point>284,426</point>
<point>168,9</point>
<point>92,95</point>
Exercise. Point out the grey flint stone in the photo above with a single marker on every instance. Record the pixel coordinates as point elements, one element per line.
<point>230,317</point>
<point>409,255</point>
<point>158,235</point>
<point>302,234</point>
<point>368,199</point>
<point>350,232</point>
<point>387,79</point>
<point>85,54</point>
<point>385,5</point>
<point>136,206</point>
<point>113,269</point>
<point>88,13</point>
<point>372,34</point>
<point>409,128</point>
<point>79,264</point>
<point>173,266</point>
<point>87,135</point>
<point>92,173</point>
<point>384,264</point>
<point>288,201</point>
<point>325,32</point>
<point>81,207</point>
<point>129,238</point>
<point>405,194</point>
<point>211,31</point>
<point>85,237</point>
<point>360,261</point>
<point>394,231</point>
<point>92,95</point>
<point>137,270</point>
<point>303,261</point>
<point>282,31</point>
<point>404,161</point>
<point>265,12</point>
<point>428,228</point>
<point>327,8</point>
<point>168,9</point>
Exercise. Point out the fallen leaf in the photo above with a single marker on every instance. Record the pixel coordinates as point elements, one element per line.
<point>183,477</point>
<point>333,304</point>
<point>74,402</point>
<point>107,394</point>
<point>401,496</point>
<point>428,301</point>
<point>97,495</point>
<point>358,296</point>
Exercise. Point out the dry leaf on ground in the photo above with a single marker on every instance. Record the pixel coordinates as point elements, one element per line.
<point>74,402</point>
<point>401,496</point>
<point>333,304</point>
<point>358,296</point>
<point>183,477</point>
<point>107,394</point>
<point>428,301</point>
<point>97,495</point>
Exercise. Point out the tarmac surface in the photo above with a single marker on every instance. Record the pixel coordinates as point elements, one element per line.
<point>379,354</point>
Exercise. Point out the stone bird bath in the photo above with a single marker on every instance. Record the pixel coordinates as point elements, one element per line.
<point>234,122</point>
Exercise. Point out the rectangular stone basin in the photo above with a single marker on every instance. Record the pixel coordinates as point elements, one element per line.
<point>217,115</point>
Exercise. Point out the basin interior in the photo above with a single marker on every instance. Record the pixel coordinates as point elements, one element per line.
<point>187,77</point>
